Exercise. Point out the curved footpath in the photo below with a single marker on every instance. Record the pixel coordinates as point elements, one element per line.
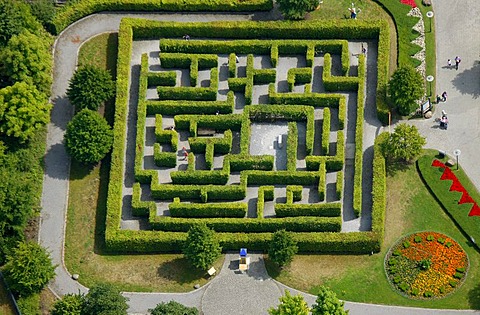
<point>230,292</point>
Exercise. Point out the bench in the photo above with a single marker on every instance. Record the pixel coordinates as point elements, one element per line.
<point>205,132</point>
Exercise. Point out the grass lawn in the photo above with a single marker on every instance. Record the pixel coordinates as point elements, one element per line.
<point>410,208</point>
<point>369,10</point>
<point>86,219</point>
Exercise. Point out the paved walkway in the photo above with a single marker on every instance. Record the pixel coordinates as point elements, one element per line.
<point>460,85</point>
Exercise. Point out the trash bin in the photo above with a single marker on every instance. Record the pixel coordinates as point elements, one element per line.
<point>441,154</point>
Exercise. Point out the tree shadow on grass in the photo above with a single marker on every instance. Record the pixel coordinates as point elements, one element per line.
<point>395,167</point>
<point>474,297</point>
<point>180,271</point>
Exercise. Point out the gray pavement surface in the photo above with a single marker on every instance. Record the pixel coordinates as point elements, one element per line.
<point>453,21</point>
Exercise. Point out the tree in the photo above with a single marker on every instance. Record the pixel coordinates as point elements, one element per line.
<point>88,137</point>
<point>44,11</point>
<point>103,299</point>
<point>201,247</point>
<point>404,144</point>
<point>23,110</point>
<point>405,88</point>
<point>282,248</point>
<point>90,87</point>
<point>27,58</point>
<point>15,16</point>
<point>70,304</point>
<point>28,269</point>
<point>327,303</point>
<point>173,308</point>
<point>290,305</point>
<point>296,9</point>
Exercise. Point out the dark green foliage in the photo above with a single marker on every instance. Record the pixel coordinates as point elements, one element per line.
<point>327,303</point>
<point>406,87</point>
<point>23,111</point>
<point>28,269</point>
<point>104,299</point>
<point>173,308</point>
<point>88,137</point>
<point>201,247</point>
<point>90,87</point>
<point>296,9</point>
<point>282,248</point>
<point>27,58</point>
<point>30,304</point>
<point>15,16</point>
<point>44,11</point>
<point>290,305</point>
<point>70,304</point>
<point>404,144</point>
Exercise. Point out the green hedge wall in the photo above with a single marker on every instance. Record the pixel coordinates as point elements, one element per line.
<point>300,210</point>
<point>292,145</point>
<point>250,225</point>
<point>209,210</point>
<point>168,78</point>
<point>75,10</point>
<point>176,107</point>
<point>326,131</point>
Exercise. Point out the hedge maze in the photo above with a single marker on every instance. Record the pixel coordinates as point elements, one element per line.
<point>265,134</point>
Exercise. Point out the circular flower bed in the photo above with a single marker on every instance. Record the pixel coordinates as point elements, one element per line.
<point>426,265</point>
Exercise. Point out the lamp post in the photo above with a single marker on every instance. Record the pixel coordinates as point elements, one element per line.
<point>457,153</point>
<point>430,79</point>
<point>430,16</point>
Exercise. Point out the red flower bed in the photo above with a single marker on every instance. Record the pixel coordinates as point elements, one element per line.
<point>457,186</point>
<point>409,2</point>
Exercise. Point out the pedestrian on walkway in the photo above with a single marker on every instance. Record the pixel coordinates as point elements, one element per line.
<point>353,12</point>
<point>184,153</point>
<point>444,96</point>
<point>457,62</point>
<point>186,37</point>
<point>449,63</point>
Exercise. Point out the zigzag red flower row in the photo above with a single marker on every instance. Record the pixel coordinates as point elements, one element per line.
<point>409,2</point>
<point>457,186</point>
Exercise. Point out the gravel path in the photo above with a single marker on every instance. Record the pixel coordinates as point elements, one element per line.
<point>259,289</point>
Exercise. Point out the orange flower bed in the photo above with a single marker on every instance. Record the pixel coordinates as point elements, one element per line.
<point>426,265</point>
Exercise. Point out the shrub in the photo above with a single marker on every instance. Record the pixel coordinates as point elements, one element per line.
<point>23,111</point>
<point>296,9</point>
<point>104,299</point>
<point>90,87</point>
<point>328,303</point>
<point>405,88</point>
<point>173,308</point>
<point>404,144</point>
<point>70,304</point>
<point>418,239</point>
<point>201,247</point>
<point>88,137</point>
<point>282,248</point>
<point>290,305</point>
<point>28,269</point>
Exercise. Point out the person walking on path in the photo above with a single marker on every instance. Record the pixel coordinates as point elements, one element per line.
<point>449,63</point>
<point>184,153</point>
<point>457,62</point>
<point>444,96</point>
